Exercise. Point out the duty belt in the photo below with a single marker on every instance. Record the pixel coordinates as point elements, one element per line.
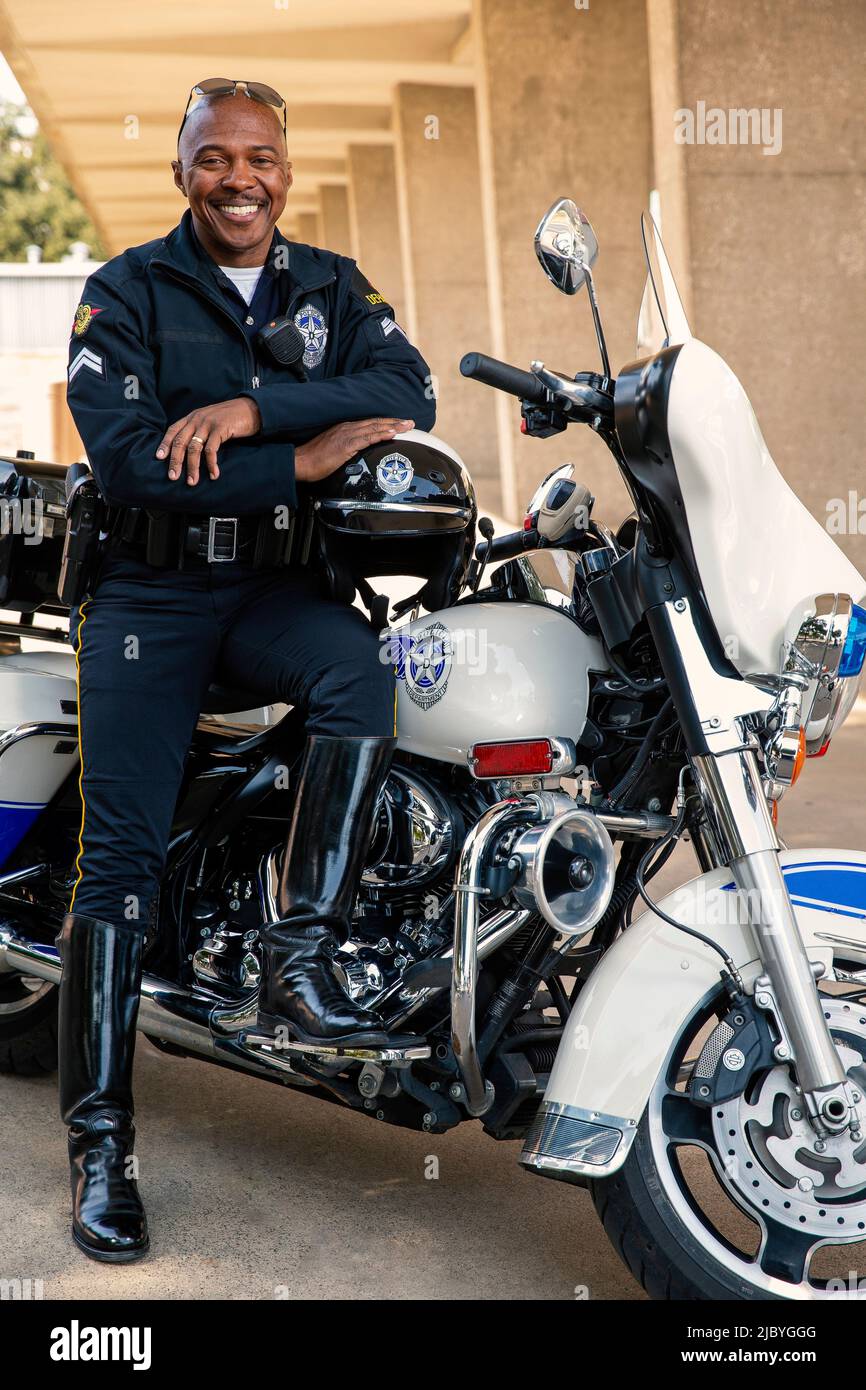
<point>172,540</point>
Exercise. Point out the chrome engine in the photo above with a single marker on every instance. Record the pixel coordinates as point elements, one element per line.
<point>404,911</point>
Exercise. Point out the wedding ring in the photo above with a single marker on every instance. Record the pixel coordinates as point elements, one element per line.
<point>198,439</point>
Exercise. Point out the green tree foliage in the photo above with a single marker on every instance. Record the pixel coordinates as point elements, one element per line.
<point>37,204</point>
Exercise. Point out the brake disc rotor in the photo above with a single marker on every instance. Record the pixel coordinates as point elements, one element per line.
<point>769,1152</point>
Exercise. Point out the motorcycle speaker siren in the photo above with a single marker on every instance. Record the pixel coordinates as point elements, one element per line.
<point>567,870</point>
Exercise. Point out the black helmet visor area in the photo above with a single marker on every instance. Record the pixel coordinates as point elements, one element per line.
<point>353,516</point>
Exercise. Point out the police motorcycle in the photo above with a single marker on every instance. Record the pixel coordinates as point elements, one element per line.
<point>698,1064</point>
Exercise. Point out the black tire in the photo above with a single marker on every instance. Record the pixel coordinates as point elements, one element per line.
<point>652,1241</point>
<point>28,1035</point>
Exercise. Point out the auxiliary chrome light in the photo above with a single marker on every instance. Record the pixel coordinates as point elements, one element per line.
<point>825,644</point>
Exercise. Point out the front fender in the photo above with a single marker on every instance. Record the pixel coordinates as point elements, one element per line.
<point>650,982</point>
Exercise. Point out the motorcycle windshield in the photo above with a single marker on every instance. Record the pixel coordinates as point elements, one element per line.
<point>662,319</point>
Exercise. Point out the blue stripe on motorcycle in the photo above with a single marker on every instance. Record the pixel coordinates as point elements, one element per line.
<point>826,886</point>
<point>16,818</point>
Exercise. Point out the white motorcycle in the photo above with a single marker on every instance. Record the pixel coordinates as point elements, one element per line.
<point>700,1069</point>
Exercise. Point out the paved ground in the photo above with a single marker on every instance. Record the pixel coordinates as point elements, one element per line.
<point>257,1192</point>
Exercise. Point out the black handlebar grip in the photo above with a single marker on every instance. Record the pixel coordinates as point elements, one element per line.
<point>504,547</point>
<point>504,377</point>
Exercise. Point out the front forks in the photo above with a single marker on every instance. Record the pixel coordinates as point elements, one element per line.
<point>743,830</point>
<point>713,708</point>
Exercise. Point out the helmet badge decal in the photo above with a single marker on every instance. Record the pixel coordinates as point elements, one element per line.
<point>425,665</point>
<point>313,328</point>
<point>394,473</point>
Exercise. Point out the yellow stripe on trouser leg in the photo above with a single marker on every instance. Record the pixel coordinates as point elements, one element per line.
<point>81,618</point>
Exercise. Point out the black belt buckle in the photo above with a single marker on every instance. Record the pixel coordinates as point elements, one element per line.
<point>222,539</point>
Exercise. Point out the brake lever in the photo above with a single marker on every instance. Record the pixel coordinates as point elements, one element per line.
<point>577,399</point>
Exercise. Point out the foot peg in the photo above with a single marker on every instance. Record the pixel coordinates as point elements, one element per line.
<point>403,1050</point>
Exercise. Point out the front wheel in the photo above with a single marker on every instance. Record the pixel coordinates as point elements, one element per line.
<point>740,1201</point>
<point>28,1025</point>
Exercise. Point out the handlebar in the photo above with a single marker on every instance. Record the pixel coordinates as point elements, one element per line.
<point>507,546</point>
<point>581,399</point>
<point>504,377</point>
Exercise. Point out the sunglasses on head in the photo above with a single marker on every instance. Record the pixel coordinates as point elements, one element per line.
<point>225,87</point>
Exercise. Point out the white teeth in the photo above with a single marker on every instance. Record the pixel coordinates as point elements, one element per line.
<point>240,209</point>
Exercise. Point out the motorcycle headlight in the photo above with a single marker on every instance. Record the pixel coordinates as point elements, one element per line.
<point>826,644</point>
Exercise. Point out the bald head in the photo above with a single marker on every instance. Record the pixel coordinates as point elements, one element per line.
<point>213,111</point>
<point>232,166</point>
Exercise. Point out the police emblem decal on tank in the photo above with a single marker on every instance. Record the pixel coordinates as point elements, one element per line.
<point>394,473</point>
<point>426,665</point>
<point>313,327</point>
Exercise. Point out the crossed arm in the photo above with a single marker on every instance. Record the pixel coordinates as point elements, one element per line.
<point>195,439</point>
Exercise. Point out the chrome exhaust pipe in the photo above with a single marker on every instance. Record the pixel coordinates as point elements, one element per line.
<point>464,975</point>
<point>167,1011</point>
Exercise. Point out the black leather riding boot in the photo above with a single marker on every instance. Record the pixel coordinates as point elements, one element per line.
<point>99,992</point>
<point>340,780</point>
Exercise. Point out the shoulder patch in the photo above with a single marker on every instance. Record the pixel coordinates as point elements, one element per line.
<point>372,300</point>
<point>84,315</point>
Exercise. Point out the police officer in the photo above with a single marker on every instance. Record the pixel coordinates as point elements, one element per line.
<point>199,437</point>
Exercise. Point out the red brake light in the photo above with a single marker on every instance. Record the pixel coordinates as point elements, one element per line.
<point>511,759</point>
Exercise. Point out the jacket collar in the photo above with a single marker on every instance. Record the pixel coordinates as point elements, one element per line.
<point>286,260</point>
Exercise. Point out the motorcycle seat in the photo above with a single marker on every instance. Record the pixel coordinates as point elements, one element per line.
<point>224,699</point>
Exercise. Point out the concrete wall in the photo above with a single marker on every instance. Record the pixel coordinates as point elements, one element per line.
<point>778,242</point>
<point>441,226</point>
<point>565,111</point>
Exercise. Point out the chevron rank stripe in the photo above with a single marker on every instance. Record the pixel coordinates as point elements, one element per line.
<point>86,357</point>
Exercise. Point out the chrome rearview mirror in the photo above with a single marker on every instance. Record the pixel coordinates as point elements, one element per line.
<point>566,245</point>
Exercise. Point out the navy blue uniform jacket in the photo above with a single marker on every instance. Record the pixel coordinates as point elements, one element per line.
<point>155,337</point>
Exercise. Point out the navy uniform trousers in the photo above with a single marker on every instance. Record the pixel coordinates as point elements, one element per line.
<point>148,643</point>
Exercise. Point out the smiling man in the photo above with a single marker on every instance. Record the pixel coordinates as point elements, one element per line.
<point>213,375</point>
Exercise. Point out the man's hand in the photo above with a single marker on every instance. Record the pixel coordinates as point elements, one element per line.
<point>327,452</point>
<point>202,432</point>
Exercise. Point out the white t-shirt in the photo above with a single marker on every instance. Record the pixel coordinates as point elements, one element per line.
<point>244,278</point>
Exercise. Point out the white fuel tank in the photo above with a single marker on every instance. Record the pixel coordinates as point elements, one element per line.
<point>488,672</point>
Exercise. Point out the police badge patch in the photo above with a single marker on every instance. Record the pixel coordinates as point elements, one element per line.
<point>394,473</point>
<point>426,665</point>
<point>84,314</point>
<point>311,324</point>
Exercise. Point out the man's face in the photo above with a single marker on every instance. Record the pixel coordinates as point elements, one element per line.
<point>232,166</point>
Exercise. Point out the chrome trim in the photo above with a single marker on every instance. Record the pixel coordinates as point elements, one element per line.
<point>357,504</point>
<point>22,731</point>
<point>736,807</point>
<point>563,758</point>
<point>813,658</point>
<point>430,837</point>
<point>569,1143</point>
<point>645,825</point>
<point>464,974</point>
<point>720,701</point>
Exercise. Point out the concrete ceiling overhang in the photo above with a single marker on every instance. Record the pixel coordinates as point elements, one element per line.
<point>108,84</point>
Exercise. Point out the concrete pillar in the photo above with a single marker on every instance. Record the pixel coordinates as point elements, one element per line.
<point>375,221</point>
<point>309,230</point>
<point>447,305</point>
<point>334,216</point>
<point>777,240</point>
<point>564,110</point>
